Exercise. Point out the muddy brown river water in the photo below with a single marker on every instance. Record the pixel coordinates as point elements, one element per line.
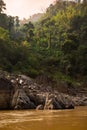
<point>75,119</point>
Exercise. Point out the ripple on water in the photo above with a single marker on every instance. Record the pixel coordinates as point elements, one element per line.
<point>48,120</point>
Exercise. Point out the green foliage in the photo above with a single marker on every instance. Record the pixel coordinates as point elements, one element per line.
<point>4,35</point>
<point>2,6</point>
<point>55,46</point>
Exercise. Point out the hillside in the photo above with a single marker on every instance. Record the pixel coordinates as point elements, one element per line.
<point>34,18</point>
<point>55,46</point>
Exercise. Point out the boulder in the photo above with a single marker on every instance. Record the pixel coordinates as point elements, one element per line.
<point>58,102</point>
<point>6,92</point>
<point>22,101</point>
<point>37,98</point>
<point>79,101</point>
<point>40,107</point>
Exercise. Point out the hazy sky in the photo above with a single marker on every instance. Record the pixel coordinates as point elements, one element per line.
<point>25,8</point>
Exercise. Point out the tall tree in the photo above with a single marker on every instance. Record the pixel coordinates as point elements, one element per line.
<point>2,6</point>
<point>17,21</point>
<point>29,29</point>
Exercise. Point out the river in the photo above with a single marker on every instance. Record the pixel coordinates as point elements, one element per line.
<point>75,119</point>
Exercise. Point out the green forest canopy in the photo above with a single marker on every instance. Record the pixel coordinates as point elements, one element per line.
<point>55,46</point>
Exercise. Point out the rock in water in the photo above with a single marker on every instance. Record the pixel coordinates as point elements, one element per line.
<point>40,107</point>
<point>22,101</point>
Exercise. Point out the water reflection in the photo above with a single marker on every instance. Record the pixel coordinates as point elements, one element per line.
<point>44,120</point>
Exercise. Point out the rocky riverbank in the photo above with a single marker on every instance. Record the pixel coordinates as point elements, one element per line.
<point>22,92</point>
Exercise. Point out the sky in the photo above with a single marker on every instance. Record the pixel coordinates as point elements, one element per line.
<point>26,8</point>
